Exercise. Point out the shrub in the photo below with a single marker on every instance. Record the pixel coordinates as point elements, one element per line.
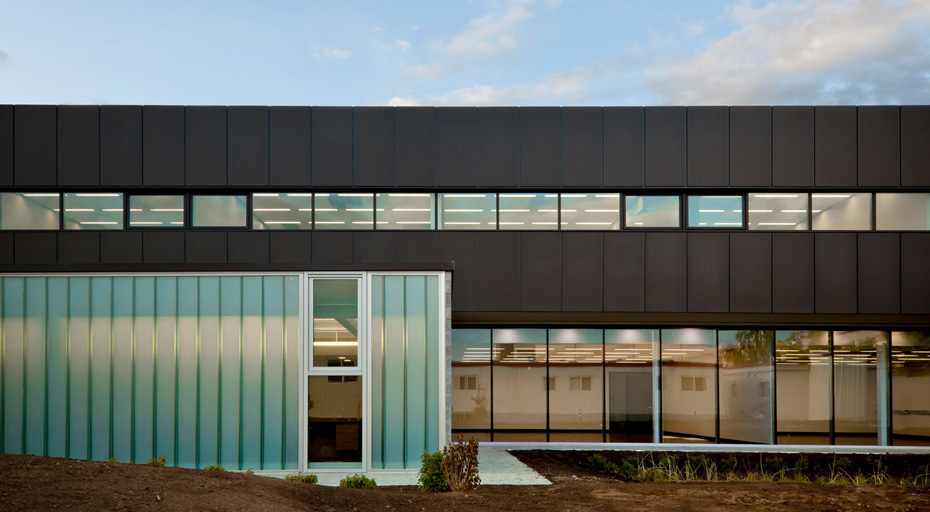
<point>728,465</point>
<point>773,465</point>
<point>460,464</point>
<point>214,467</point>
<point>112,459</point>
<point>431,477</point>
<point>249,471</point>
<point>800,465</point>
<point>357,482</point>
<point>307,478</point>
<point>159,462</point>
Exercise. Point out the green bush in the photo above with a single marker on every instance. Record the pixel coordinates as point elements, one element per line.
<point>112,459</point>
<point>773,465</point>
<point>249,471</point>
<point>159,462</point>
<point>357,482</point>
<point>214,467</point>
<point>431,477</point>
<point>307,478</point>
<point>800,466</point>
<point>728,465</point>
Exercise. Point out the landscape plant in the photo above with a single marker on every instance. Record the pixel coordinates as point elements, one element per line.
<point>307,478</point>
<point>159,462</point>
<point>460,464</point>
<point>357,482</point>
<point>214,467</point>
<point>431,476</point>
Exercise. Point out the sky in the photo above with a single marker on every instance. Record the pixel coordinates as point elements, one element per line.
<point>468,52</point>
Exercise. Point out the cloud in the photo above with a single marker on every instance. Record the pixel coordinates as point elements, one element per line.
<point>4,57</point>
<point>332,53</point>
<point>816,51</point>
<point>403,44</point>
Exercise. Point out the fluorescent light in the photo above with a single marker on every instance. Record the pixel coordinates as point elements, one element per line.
<point>774,195</point>
<point>793,211</point>
<point>265,195</point>
<point>145,223</point>
<point>112,209</point>
<point>574,195</point>
<point>760,211</point>
<point>463,210</point>
<point>80,210</point>
<point>728,223</point>
<point>300,195</point>
<point>839,196</point>
<point>281,222</point>
<point>354,195</point>
<point>508,196</point>
<point>711,211</point>
<point>271,209</point>
<point>40,195</point>
<point>325,210</point>
<point>97,195</point>
<point>461,223</point>
<point>778,223</point>
<point>469,196</point>
<point>330,222</point>
<point>164,210</point>
<point>359,210</point>
<point>408,195</point>
<point>105,223</point>
<point>591,223</point>
<point>514,211</point>
<point>335,343</point>
<point>412,222</point>
<point>410,209</point>
<point>611,196</point>
<point>602,211</point>
<point>511,223</point>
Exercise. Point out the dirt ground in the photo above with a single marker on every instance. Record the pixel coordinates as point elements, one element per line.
<point>38,483</point>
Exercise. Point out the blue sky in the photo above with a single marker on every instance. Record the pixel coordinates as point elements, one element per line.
<point>478,52</point>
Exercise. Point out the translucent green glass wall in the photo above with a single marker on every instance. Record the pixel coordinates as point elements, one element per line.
<point>405,327</point>
<point>200,370</point>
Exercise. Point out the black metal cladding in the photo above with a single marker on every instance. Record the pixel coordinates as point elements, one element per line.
<point>176,149</point>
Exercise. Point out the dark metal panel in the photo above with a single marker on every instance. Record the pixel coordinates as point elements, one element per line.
<point>246,247</point>
<point>835,272</point>
<point>498,271</point>
<point>120,247</point>
<point>6,248</point>
<point>540,288</point>
<point>458,146</point>
<point>750,272</point>
<point>708,142</point>
<point>879,146</point>
<point>78,145</point>
<point>915,273</point>
<point>750,146</point>
<point>540,146</point>
<point>415,247</point>
<point>163,146</point>
<point>331,143</point>
<point>879,273</point>
<point>372,246</point>
<point>582,136</point>
<point>206,247</point>
<point>792,273</point>
<point>290,247</point>
<point>35,247</point>
<point>666,148</point>
<point>6,146</point>
<point>416,146</point>
<point>624,146</point>
<point>35,150</point>
<point>498,146</point>
<point>163,247</point>
<point>624,272</point>
<point>205,148</point>
<point>792,146</point>
<point>915,151</point>
<point>666,272</point>
<point>332,247</point>
<point>248,146</point>
<point>289,147</point>
<point>708,272</point>
<point>461,249</point>
<point>120,146</point>
<point>374,146</point>
<point>78,247</point>
<point>835,146</point>
<point>582,272</point>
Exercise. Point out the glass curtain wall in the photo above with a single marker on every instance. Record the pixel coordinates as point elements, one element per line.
<point>576,391</point>
<point>804,376</point>
<point>910,383</point>
<point>745,393</point>
<point>630,371</point>
<point>471,382</point>
<point>859,357</point>
<point>521,383</point>
<point>689,360</point>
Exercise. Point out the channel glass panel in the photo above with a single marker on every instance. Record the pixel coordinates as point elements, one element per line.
<point>93,211</point>
<point>36,210</point>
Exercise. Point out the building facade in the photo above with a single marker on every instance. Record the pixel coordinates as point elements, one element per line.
<point>334,287</point>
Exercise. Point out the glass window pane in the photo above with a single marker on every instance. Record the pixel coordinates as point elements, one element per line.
<point>334,418</point>
<point>282,211</point>
<point>519,379</point>
<point>576,358</point>
<point>652,212</point>
<point>902,212</point>
<point>804,371</point>
<point>529,211</point>
<point>746,386</point>
<point>93,211</point>
<point>335,322</point>
<point>37,210</point>
<point>715,211</point>
<point>405,211</point>
<point>839,211</point>
<point>344,211</point>
<point>467,211</point>
<point>471,379</point>
<point>910,380</point>
<point>591,211</point>
<point>778,211</point>
<point>856,384</point>
<point>156,211</point>
<point>218,211</point>
<point>629,399</point>
<point>689,415</point>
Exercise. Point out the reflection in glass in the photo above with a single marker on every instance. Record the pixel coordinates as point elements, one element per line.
<point>334,418</point>
<point>156,211</point>
<point>715,211</point>
<point>405,211</point>
<point>803,373</point>
<point>857,357</point>
<point>841,211</point>
<point>520,383</point>
<point>902,212</point>
<point>37,210</point>
<point>529,211</point>
<point>576,392</point>
<point>591,211</point>
<point>93,211</point>
<point>335,322</point>
<point>652,212</point>
<point>628,357</point>
<point>467,211</point>
<point>910,387</point>
<point>689,358</point>
<point>343,211</point>
<point>282,211</point>
<point>471,379</point>
<point>218,211</point>
<point>771,211</point>
<point>746,386</point>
